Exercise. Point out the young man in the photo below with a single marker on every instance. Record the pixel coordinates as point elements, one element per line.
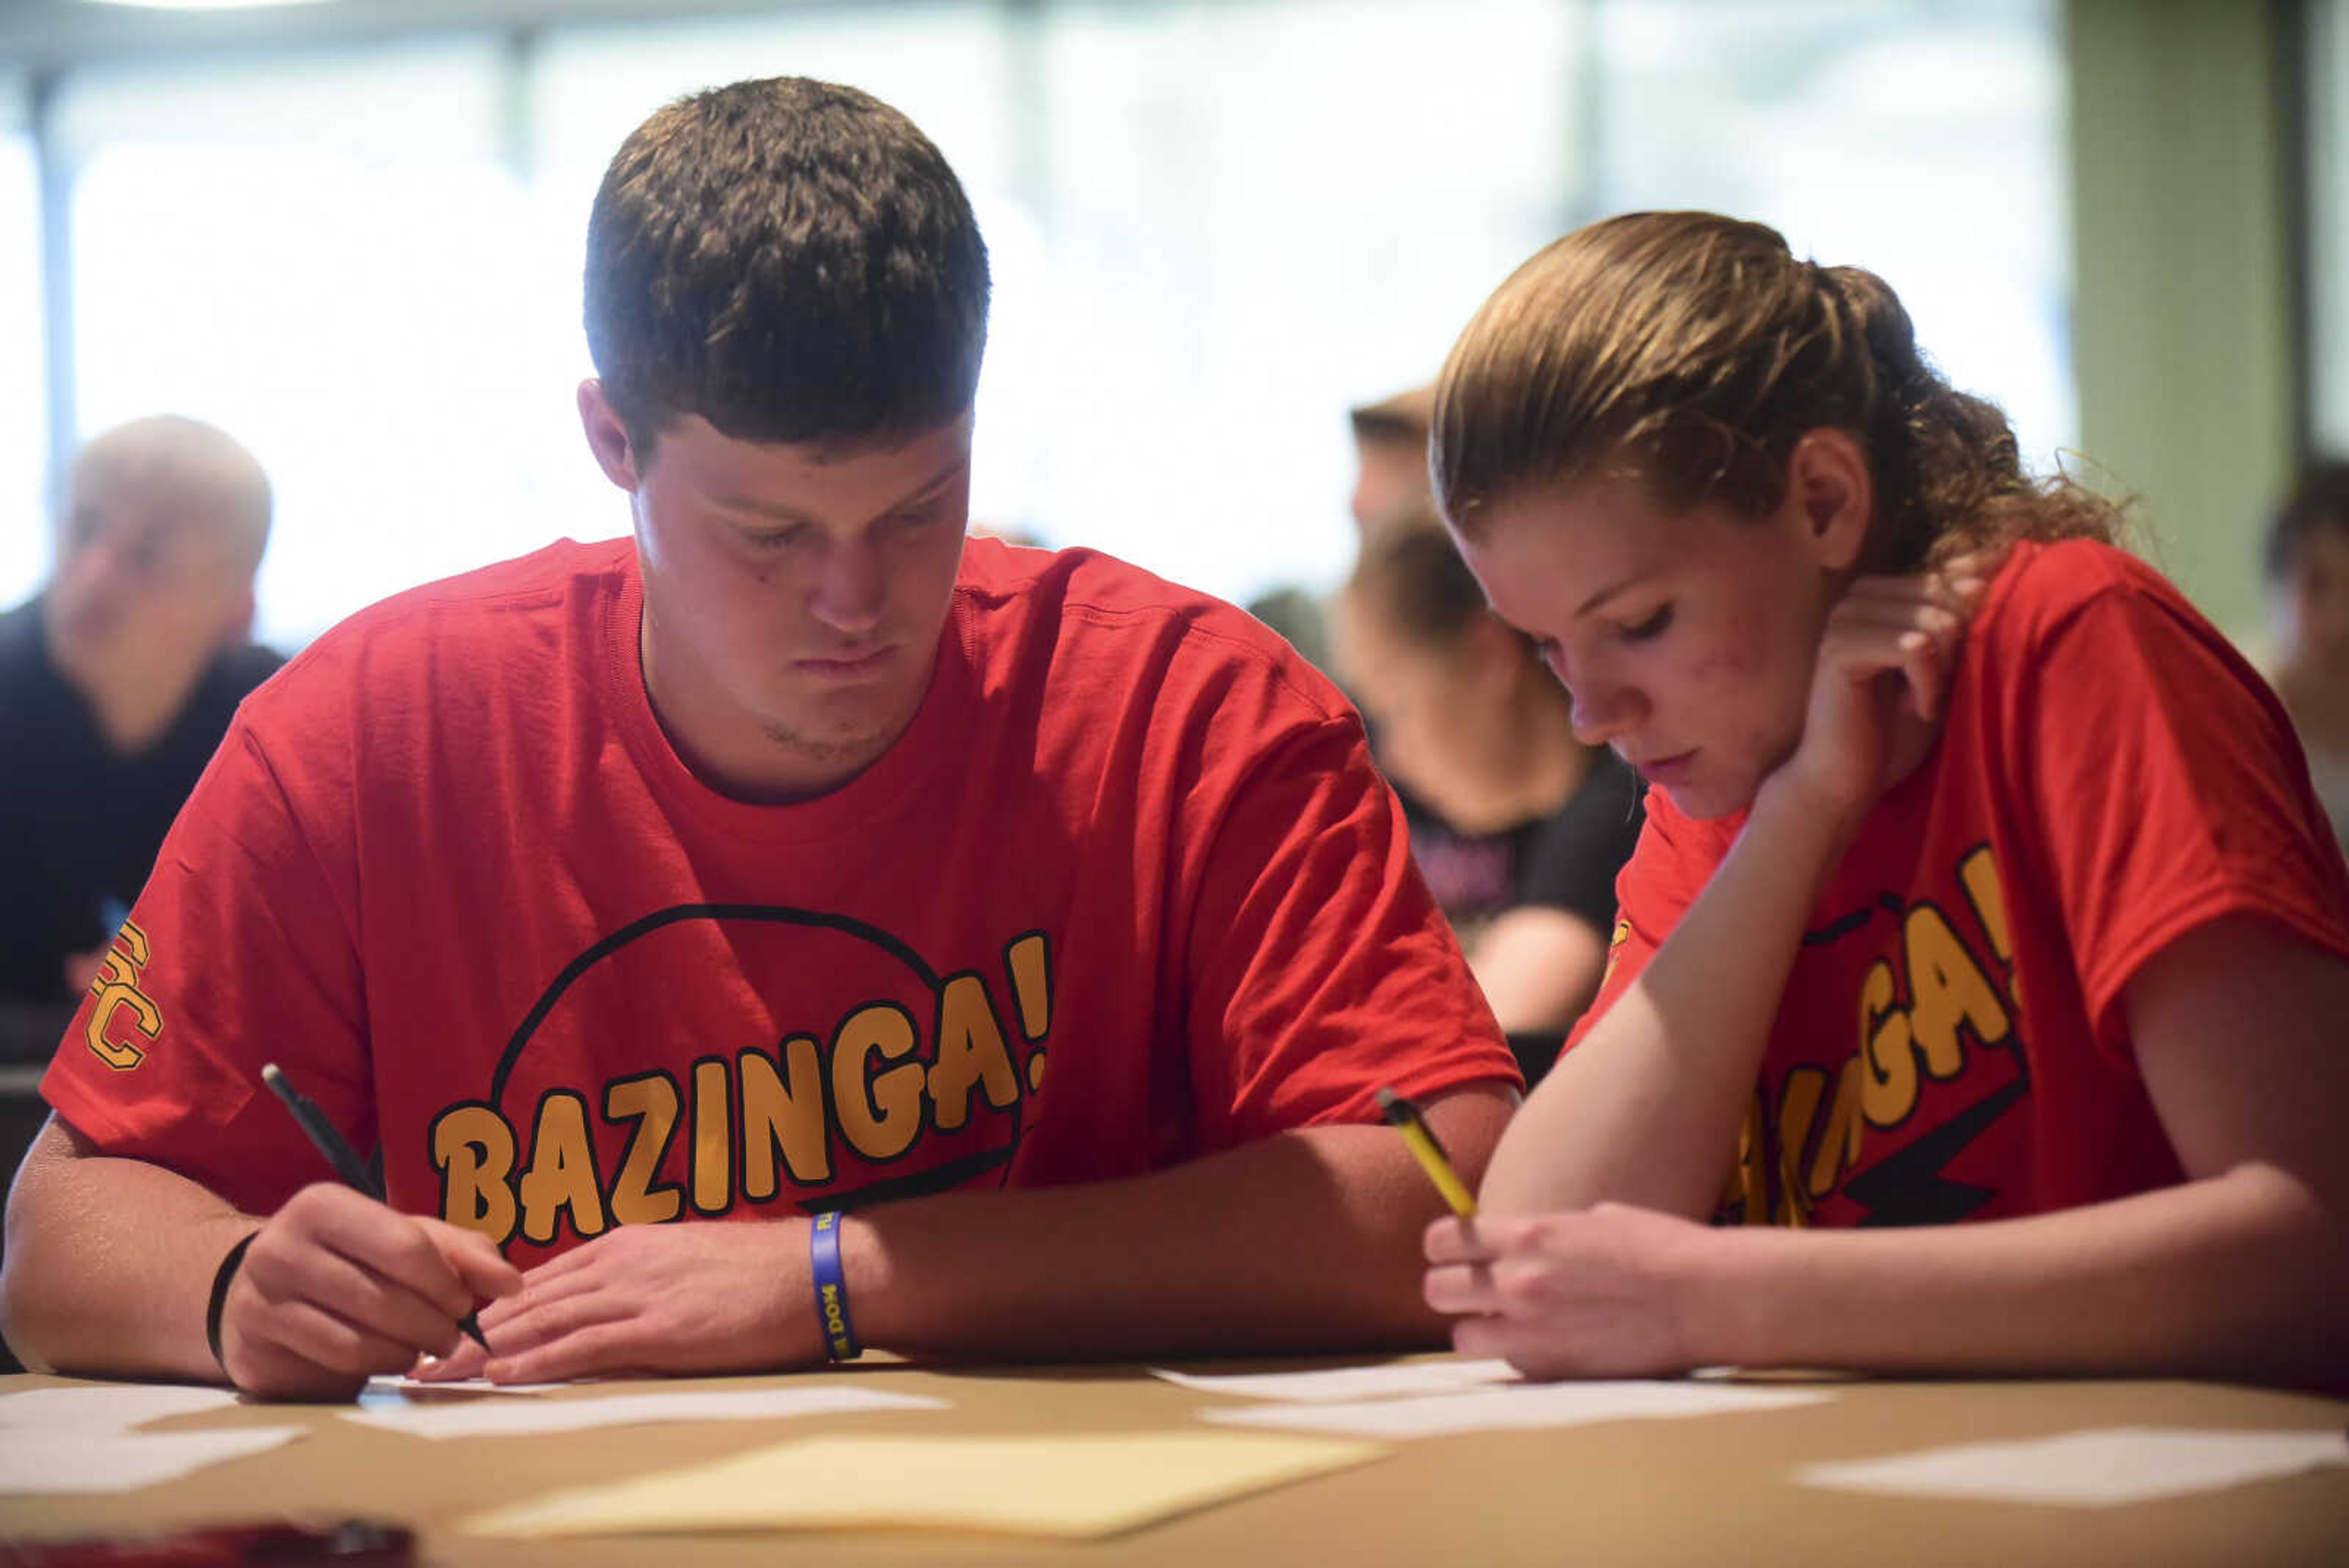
<point>800,857</point>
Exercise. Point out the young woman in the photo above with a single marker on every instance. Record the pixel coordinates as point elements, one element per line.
<point>1981,880</point>
<point>1469,721</point>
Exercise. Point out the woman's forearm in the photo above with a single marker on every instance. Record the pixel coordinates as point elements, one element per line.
<point>1646,1109</point>
<point>2245,1275</point>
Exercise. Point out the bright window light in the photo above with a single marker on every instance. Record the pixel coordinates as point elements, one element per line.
<point>1213,228</point>
<point>200,4</point>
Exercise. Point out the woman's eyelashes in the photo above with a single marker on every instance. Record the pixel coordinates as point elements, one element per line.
<point>1652,627</point>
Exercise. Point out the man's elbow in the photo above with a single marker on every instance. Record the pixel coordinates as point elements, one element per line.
<point>1468,1122</point>
<point>31,1320</point>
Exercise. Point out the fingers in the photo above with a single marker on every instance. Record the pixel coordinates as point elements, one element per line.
<point>1910,625</point>
<point>546,1310</point>
<point>481,1268</point>
<point>335,1287</point>
<point>1487,1237</point>
<point>467,1360</point>
<point>1459,1289</point>
<point>615,1348</point>
<point>313,1334</point>
<point>348,1291</point>
<point>1452,1240</point>
<point>1532,1352</point>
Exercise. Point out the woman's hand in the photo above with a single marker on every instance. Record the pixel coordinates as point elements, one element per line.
<point>1606,1291</point>
<point>1880,684</point>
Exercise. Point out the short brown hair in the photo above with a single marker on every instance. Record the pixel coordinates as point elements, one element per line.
<point>2319,499</point>
<point>791,260</point>
<point>1400,418</point>
<point>1691,351</point>
<point>1411,581</point>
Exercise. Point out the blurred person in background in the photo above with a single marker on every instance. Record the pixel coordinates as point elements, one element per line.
<point>2308,577</point>
<point>117,682</point>
<point>1390,480</point>
<point>1391,457</point>
<point>1472,724</point>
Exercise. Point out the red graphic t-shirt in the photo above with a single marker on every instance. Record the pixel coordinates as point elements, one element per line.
<point>1952,1044</point>
<point>1127,891</point>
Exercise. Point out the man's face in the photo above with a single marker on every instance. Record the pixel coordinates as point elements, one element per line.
<point>1390,479</point>
<point>1445,726</point>
<point>793,597</point>
<point>152,578</point>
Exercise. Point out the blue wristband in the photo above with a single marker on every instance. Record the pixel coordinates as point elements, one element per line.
<point>831,1288</point>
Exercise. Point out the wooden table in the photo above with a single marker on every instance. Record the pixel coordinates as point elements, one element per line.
<point>1712,1491</point>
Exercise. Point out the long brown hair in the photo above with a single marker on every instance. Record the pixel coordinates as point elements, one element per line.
<point>1691,352</point>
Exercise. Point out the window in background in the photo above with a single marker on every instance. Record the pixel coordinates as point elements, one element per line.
<point>322,254</point>
<point>1922,141</point>
<point>2328,224</point>
<point>1254,218</point>
<point>1214,227</point>
<point>24,533</point>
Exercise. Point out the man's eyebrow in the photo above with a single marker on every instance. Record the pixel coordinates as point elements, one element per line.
<point>925,490</point>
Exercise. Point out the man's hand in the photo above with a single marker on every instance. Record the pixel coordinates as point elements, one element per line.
<point>336,1287</point>
<point>1605,1292</point>
<point>643,1300</point>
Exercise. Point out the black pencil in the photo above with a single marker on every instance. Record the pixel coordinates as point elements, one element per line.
<point>328,1141</point>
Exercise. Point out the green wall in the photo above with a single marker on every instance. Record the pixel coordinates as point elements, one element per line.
<point>2181,308</point>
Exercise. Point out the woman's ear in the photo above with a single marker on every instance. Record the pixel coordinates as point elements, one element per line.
<point>1832,496</point>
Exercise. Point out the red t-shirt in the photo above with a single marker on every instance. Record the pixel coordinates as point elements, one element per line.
<point>1127,891</point>
<point>1953,1044</point>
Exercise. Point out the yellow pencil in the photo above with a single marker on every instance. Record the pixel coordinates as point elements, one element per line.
<point>1418,1138</point>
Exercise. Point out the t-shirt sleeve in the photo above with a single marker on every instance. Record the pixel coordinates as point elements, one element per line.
<point>238,952</point>
<point>1669,865</point>
<point>2167,791</point>
<point>1573,859</point>
<point>1318,966</point>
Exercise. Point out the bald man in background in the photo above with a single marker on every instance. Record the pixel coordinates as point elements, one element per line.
<point>117,682</point>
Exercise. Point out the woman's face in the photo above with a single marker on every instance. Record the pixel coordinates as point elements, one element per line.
<point>1441,719</point>
<point>1686,639</point>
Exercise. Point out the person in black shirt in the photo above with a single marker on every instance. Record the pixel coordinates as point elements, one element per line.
<point>117,682</point>
<point>1466,717</point>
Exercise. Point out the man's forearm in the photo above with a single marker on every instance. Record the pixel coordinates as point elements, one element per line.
<point>2244,1274</point>
<point>110,1263</point>
<point>1309,1240</point>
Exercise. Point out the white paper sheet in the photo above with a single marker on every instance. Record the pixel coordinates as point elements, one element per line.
<point>1525,1405</point>
<point>2099,1468</point>
<point>104,1407</point>
<point>1343,1383</point>
<point>90,1462</point>
<point>503,1418</point>
<point>384,1387</point>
